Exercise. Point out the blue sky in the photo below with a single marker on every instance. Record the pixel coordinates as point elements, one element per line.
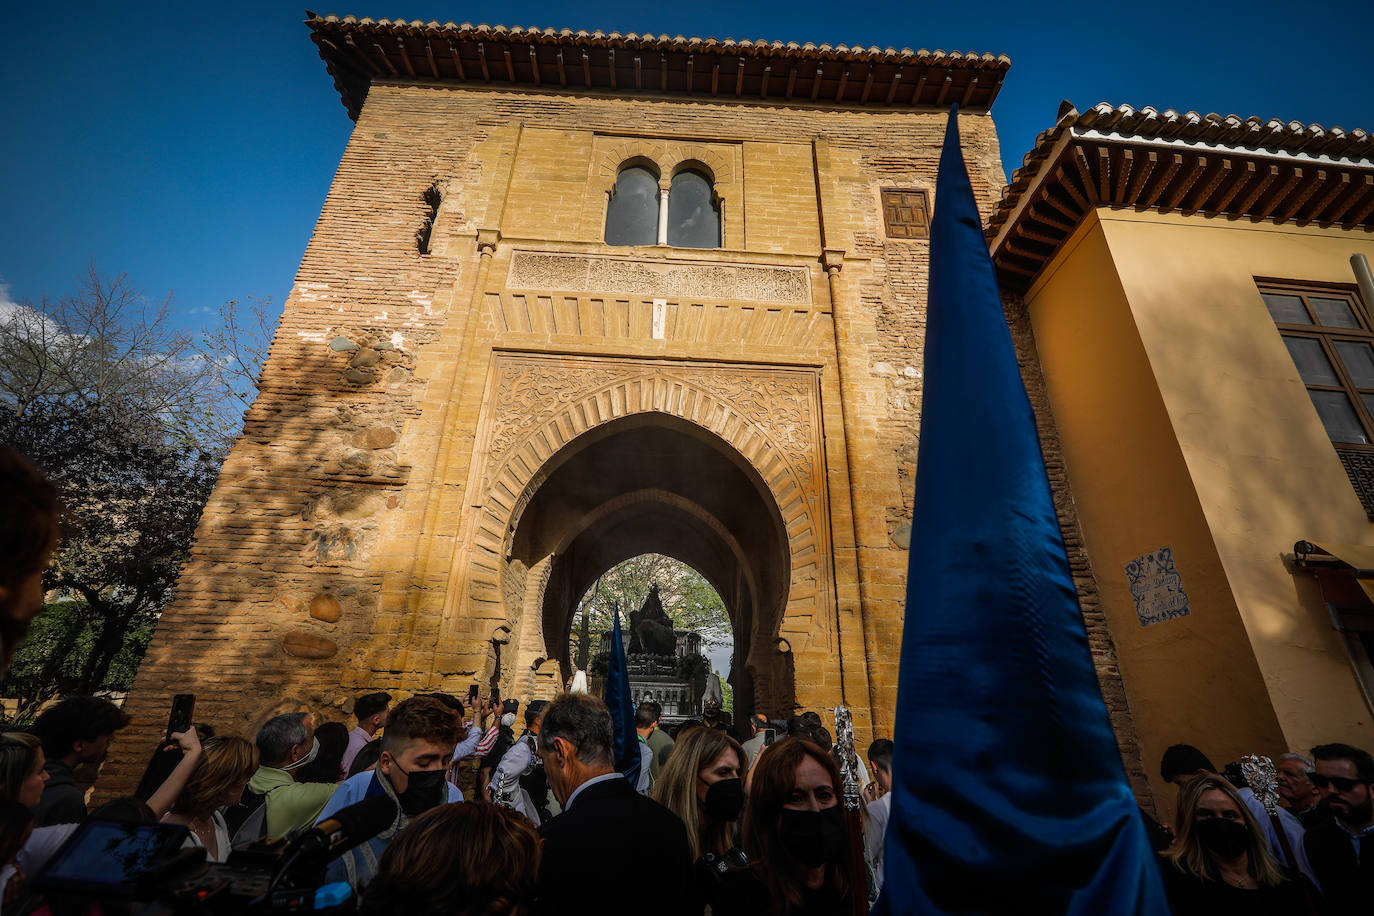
<point>191,146</point>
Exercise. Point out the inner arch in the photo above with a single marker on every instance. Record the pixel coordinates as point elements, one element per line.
<point>653,483</point>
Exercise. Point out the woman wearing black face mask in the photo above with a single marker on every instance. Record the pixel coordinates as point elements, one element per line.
<point>796,839</point>
<point>701,784</point>
<point>1218,863</point>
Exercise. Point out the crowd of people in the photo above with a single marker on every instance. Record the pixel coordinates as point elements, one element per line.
<point>485,821</point>
<point>488,822</point>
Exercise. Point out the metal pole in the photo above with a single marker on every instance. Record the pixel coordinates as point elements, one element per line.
<point>1360,265</point>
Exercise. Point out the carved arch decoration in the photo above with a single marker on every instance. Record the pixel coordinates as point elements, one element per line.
<point>770,417</point>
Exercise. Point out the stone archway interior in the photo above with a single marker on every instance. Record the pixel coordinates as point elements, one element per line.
<point>653,483</point>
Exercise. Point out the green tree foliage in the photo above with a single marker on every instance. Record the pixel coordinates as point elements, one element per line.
<point>130,417</point>
<point>686,595</point>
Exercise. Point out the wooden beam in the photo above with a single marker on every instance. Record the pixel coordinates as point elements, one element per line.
<point>1289,207</point>
<point>1142,166</point>
<point>763,83</point>
<point>1184,184</point>
<point>920,84</point>
<point>791,80</point>
<point>429,53</point>
<point>691,66</point>
<point>347,59</point>
<point>482,59</point>
<point>944,91</point>
<point>715,77</point>
<point>868,86</point>
<point>1104,175</point>
<point>1339,184</point>
<point>639,75</point>
<point>1159,181</point>
<point>386,60</point>
<point>1036,235</point>
<point>1014,268</point>
<point>1070,215</point>
<point>405,55</point>
<point>1266,177</point>
<point>1085,174</point>
<point>1357,215</point>
<point>1017,246</point>
<point>611,56</point>
<point>363,56</point>
<point>739,77</point>
<point>1270,201</point>
<point>844,81</point>
<point>1207,185</point>
<point>892,86</point>
<point>1049,215</point>
<point>968,91</point>
<point>1065,181</point>
<point>534,65</point>
<point>562,68</point>
<point>1122,161</point>
<point>1238,178</point>
<point>586,69</point>
<point>510,63</point>
<point>662,71</point>
<point>457,60</point>
<point>816,81</point>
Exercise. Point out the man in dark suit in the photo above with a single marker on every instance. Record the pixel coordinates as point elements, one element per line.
<point>612,851</point>
<point>1341,849</point>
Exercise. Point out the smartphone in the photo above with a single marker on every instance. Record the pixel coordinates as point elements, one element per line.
<point>472,694</point>
<point>769,735</point>
<point>183,707</point>
<point>496,697</point>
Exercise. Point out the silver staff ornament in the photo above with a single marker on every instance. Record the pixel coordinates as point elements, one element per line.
<point>1261,776</point>
<point>849,765</point>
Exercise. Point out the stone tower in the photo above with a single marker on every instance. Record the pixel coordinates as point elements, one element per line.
<point>510,361</point>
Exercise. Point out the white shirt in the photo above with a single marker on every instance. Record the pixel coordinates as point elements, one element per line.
<point>875,832</point>
<point>222,841</point>
<point>357,740</point>
<point>605,777</point>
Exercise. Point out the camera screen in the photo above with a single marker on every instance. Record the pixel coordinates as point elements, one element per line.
<point>110,856</point>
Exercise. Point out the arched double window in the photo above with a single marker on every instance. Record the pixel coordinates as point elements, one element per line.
<point>632,217</point>
<point>687,215</point>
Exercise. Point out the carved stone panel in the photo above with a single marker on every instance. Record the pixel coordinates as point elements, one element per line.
<point>544,270</point>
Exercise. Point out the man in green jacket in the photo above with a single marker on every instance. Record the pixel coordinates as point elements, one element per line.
<point>285,744</point>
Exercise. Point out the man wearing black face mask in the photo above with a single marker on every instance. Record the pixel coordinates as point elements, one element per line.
<point>1341,849</point>
<point>416,751</point>
<point>606,826</point>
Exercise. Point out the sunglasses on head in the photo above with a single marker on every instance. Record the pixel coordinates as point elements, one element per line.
<point>1342,783</point>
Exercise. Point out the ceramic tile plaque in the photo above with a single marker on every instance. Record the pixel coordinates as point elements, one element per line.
<point>1156,587</point>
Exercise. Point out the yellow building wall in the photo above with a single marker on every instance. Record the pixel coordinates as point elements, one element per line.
<point>1263,468</point>
<point>1192,679</point>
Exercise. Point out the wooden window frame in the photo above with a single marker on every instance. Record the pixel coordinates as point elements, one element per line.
<point>921,232</point>
<point>1327,336</point>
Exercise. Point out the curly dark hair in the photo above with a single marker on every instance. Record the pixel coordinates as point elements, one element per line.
<point>464,859</point>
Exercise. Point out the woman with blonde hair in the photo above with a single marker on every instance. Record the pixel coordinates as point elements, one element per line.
<point>226,765</point>
<point>701,784</point>
<point>1218,863</point>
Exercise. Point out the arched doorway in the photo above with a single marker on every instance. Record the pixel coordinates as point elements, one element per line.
<point>656,483</point>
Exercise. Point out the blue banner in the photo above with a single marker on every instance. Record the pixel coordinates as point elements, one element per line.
<point>1009,794</point>
<point>622,707</point>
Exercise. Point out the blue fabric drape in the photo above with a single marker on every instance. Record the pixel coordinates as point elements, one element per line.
<point>622,708</point>
<point>1009,793</point>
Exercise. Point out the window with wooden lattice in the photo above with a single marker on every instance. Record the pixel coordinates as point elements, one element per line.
<point>1330,336</point>
<point>906,213</point>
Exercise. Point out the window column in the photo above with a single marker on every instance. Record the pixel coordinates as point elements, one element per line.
<point>664,186</point>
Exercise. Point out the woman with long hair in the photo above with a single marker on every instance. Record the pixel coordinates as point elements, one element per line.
<point>701,784</point>
<point>21,768</point>
<point>1218,863</point>
<point>226,765</point>
<point>462,859</point>
<point>795,837</point>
